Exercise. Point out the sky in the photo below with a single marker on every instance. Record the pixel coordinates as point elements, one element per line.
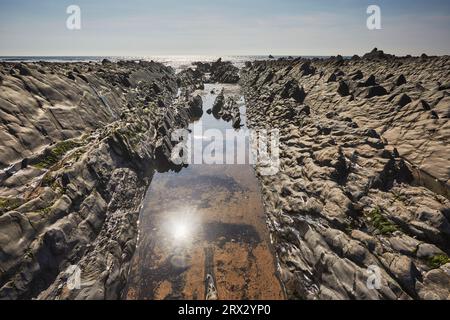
<point>225,27</point>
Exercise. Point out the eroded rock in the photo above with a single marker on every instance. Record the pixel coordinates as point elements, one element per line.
<point>347,197</point>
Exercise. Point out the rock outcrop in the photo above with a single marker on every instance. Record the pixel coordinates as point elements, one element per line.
<point>227,109</point>
<point>219,71</point>
<point>79,146</point>
<point>362,188</point>
<point>364,174</point>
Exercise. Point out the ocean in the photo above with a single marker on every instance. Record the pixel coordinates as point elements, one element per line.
<point>178,62</point>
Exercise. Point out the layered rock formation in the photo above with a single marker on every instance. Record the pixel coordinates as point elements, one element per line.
<point>218,71</point>
<point>226,109</point>
<point>363,186</point>
<point>364,174</point>
<point>79,146</point>
<point>208,72</point>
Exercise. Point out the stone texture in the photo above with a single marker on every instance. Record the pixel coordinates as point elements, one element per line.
<point>364,174</point>
<point>78,154</point>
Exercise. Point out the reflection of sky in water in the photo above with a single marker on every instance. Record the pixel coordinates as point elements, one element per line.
<point>231,147</point>
<point>214,140</point>
<point>201,206</point>
<point>180,227</point>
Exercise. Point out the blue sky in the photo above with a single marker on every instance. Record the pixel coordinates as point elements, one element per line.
<point>210,27</point>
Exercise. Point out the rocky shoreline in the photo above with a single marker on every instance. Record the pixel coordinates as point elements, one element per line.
<point>81,141</point>
<point>363,181</point>
<point>364,173</point>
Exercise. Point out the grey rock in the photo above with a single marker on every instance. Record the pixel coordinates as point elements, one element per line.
<point>375,91</point>
<point>292,90</point>
<point>347,196</point>
<point>343,89</point>
<point>402,100</point>
<point>401,80</point>
<point>436,284</point>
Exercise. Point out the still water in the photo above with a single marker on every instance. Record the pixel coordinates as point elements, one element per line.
<point>202,231</point>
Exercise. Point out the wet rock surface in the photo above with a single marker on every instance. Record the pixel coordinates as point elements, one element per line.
<point>79,144</point>
<point>364,173</point>
<point>227,109</point>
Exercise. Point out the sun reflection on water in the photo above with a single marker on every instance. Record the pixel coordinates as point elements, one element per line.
<point>180,231</point>
<point>182,226</point>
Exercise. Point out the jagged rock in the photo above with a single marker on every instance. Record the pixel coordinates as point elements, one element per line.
<point>236,122</point>
<point>23,70</point>
<point>339,73</point>
<point>56,241</point>
<point>442,108</point>
<point>161,103</point>
<point>400,80</point>
<point>224,72</point>
<point>83,77</point>
<point>374,91</point>
<point>402,100</point>
<point>332,78</point>
<point>435,284</point>
<point>434,115</point>
<point>156,88</point>
<point>343,88</point>
<point>370,81</point>
<point>71,76</point>
<point>427,251</point>
<point>445,86</point>
<point>344,198</point>
<point>218,105</point>
<point>307,69</point>
<point>404,244</point>
<point>376,54</point>
<point>342,201</point>
<point>77,169</point>
<point>195,106</point>
<point>292,90</point>
<point>404,270</point>
<point>203,67</point>
<point>424,105</point>
<point>358,75</point>
<point>190,78</point>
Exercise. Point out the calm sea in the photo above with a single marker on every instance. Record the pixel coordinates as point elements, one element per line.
<point>178,62</point>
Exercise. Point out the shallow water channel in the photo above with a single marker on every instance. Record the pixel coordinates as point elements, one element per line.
<point>202,231</point>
